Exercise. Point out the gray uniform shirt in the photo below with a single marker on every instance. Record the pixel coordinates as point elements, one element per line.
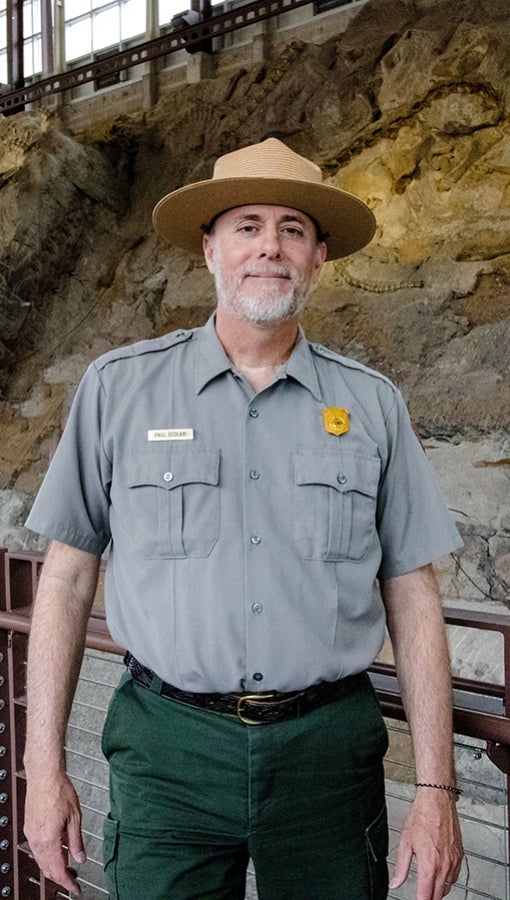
<point>246,540</point>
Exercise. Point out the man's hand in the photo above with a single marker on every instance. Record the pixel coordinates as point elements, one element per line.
<point>432,835</point>
<point>53,819</point>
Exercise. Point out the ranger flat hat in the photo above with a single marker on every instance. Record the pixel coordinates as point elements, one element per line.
<point>265,173</point>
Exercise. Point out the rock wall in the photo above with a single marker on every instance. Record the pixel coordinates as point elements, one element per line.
<point>409,108</point>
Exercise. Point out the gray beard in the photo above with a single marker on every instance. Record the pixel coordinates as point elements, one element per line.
<point>269,306</point>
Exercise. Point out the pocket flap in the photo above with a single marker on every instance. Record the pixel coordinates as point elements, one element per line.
<point>342,471</point>
<point>111,836</point>
<point>174,469</point>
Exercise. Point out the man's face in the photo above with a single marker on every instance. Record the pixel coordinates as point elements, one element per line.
<point>265,260</point>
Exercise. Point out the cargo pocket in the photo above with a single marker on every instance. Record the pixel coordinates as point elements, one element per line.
<point>335,504</point>
<point>110,849</point>
<point>376,837</point>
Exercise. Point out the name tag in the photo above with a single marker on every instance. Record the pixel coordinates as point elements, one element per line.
<point>170,434</point>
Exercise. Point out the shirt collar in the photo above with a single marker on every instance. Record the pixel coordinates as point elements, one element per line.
<point>211,358</point>
<point>212,361</point>
<point>300,366</point>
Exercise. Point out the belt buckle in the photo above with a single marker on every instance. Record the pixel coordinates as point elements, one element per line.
<point>242,700</point>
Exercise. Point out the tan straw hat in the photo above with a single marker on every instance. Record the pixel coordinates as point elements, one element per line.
<point>265,173</point>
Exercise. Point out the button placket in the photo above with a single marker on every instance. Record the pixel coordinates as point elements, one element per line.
<point>255,486</point>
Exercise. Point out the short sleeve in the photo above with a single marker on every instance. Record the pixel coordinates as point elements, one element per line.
<point>414,524</point>
<point>72,505</point>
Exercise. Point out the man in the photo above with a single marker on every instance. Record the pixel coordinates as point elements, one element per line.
<point>268,510</point>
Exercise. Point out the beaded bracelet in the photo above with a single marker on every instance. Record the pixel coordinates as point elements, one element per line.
<point>441,787</point>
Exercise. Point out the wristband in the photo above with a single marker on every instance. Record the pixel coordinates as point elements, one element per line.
<point>441,787</point>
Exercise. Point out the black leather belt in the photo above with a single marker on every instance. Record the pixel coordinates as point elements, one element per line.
<point>261,708</point>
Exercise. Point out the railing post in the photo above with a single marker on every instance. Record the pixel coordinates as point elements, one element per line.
<point>7,845</point>
<point>3,577</point>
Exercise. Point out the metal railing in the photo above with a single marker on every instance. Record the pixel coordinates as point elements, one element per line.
<point>482,748</point>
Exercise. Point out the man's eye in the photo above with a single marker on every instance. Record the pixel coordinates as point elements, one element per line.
<point>247,228</point>
<point>294,232</point>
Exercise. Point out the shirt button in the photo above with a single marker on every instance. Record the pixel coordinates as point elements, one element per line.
<point>168,476</point>
<point>342,479</point>
<point>258,676</point>
<point>255,539</point>
<point>254,413</point>
<point>257,608</point>
<point>254,474</point>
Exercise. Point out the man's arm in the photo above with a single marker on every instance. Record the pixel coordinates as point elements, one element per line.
<point>417,631</point>
<point>57,638</point>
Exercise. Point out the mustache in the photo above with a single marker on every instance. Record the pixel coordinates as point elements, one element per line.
<point>278,270</point>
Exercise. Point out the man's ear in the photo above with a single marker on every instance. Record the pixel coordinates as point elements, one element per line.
<point>208,248</point>
<point>322,250</point>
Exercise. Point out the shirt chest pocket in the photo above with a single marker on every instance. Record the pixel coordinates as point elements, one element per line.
<point>174,502</point>
<point>335,505</point>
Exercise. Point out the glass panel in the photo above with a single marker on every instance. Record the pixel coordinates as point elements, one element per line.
<point>170,8</point>
<point>28,57</point>
<point>106,28</point>
<point>132,19</point>
<point>27,19</point>
<point>75,8</point>
<point>37,55</point>
<point>31,17</point>
<point>3,30</point>
<point>79,38</point>
<point>3,67</point>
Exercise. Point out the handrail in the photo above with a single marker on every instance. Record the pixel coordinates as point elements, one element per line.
<point>191,36</point>
<point>480,708</point>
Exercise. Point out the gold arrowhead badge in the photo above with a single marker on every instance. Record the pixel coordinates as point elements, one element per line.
<point>336,421</point>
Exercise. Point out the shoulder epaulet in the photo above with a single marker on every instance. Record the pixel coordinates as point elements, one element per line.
<point>153,345</point>
<point>326,353</point>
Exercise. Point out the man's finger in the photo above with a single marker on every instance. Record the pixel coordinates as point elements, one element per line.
<point>403,864</point>
<point>57,870</point>
<point>75,841</point>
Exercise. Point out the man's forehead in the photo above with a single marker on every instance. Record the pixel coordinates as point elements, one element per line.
<point>261,212</point>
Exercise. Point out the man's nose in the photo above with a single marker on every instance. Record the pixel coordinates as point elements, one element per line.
<point>270,243</point>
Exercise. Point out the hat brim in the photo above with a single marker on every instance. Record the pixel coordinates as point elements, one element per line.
<point>347,221</point>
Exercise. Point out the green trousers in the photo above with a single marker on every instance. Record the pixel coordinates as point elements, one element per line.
<point>194,794</point>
